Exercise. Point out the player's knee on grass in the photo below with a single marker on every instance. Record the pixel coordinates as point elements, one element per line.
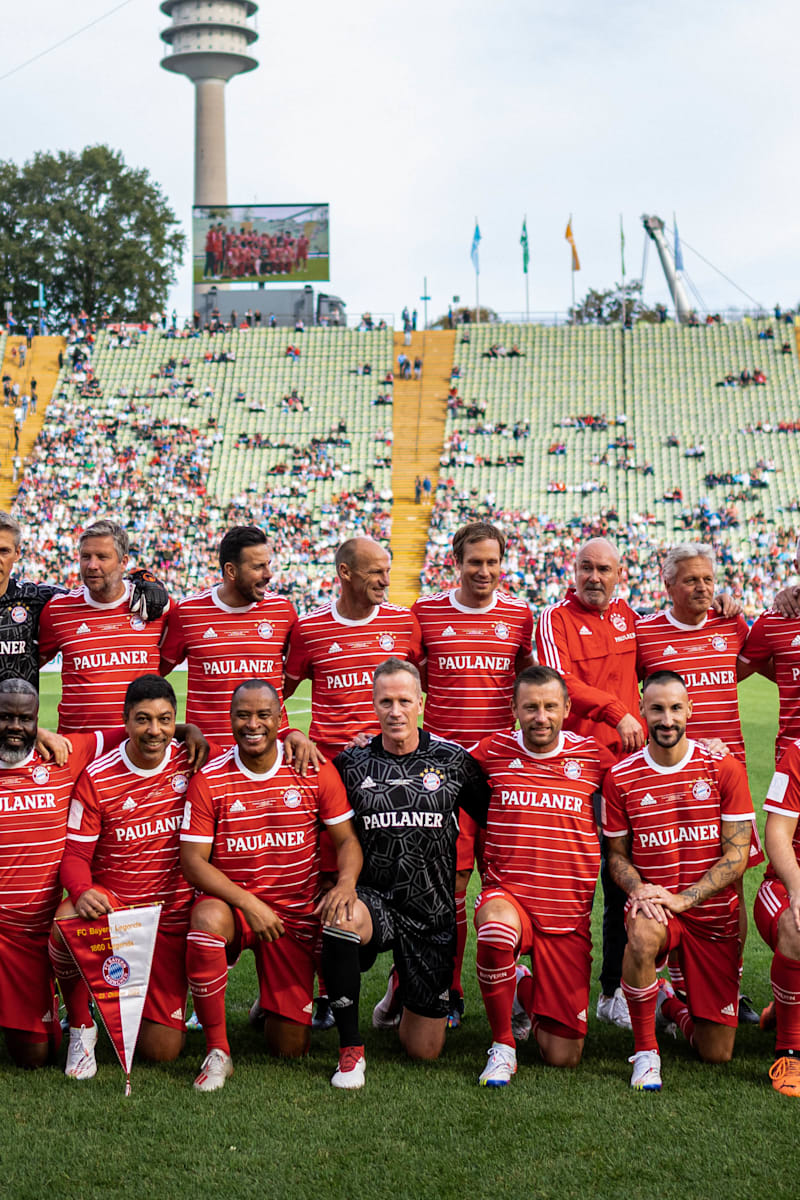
<point>159,1043</point>
<point>646,939</point>
<point>500,910</point>
<point>788,936</point>
<point>286,1039</point>
<point>360,923</point>
<point>422,1038</point>
<point>714,1043</point>
<point>559,1051</point>
<point>30,1051</point>
<point>213,916</point>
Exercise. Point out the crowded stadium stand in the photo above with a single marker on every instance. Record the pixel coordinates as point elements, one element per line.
<point>656,434</point>
<point>182,435</point>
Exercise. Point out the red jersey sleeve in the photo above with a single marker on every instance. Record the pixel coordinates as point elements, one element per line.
<point>298,665</point>
<point>173,647</point>
<point>742,632</point>
<point>783,793</point>
<point>737,803</point>
<point>757,648</point>
<point>552,646</point>
<point>423,653</point>
<point>199,813</point>
<point>526,635</point>
<point>614,813</point>
<point>48,643</point>
<point>334,807</point>
<point>86,747</point>
<point>416,653</point>
<point>84,824</point>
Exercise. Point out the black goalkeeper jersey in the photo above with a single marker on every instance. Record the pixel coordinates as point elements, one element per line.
<point>406,817</point>
<point>20,609</point>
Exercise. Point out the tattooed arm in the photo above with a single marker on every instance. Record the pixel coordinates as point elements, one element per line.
<point>646,897</point>
<point>735,839</point>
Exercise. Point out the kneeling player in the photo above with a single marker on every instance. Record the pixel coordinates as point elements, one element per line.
<point>250,846</point>
<point>122,849</point>
<point>540,862</point>
<point>679,819</point>
<point>777,913</point>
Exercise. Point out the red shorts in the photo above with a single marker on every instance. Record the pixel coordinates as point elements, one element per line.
<point>168,988</point>
<point>27,997</point>
<point>710,969</point>
<point>562,968</point>
<point>285,970</point>
<point>772,899</point>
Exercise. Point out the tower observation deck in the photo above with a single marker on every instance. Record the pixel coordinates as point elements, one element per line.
<point>209,41</point>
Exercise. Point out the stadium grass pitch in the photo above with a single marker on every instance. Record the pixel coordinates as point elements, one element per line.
<point>279,1129</point>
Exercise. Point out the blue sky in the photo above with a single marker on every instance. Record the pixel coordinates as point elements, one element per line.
<point>412,119</point>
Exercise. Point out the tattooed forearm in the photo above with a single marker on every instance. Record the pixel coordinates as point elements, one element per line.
<point>622,869</point>
<point>735,840</point>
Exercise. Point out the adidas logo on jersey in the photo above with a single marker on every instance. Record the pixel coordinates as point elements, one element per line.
<point>368,782</point>
<point>728,1011</point>
<point>209,634</point>
<point>177,1015</point>
<point>128,805</point>
<point>669,652</point>
<point>648,800</point>
<point>83,628</point>
<point>584,632</point>
<point>515,764</point>
<point>796,640</point>
<point>309,1007</point>
<point>449,632</point>
<point>237,806</point>
<point>334,648</point>
<point>582,1015</point>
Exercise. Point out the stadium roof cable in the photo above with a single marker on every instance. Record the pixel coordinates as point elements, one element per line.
<point>21,66</point>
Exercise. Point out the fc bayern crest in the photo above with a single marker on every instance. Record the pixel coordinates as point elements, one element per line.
<point>701,789</point>
<point>292,798</point>
<point>138,624</point>
<point>40,774</point>
<point>719,643</point>
<point>386,641</point>
<point>19,614</point>
<point>116,971</point>
<point>265,630</point>
<point>431,781</point>
<point>572,769</point>
<point>179,783</point>
<point>502,631</point>
<point>619,622</point>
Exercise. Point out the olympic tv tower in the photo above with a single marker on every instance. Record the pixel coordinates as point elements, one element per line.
<point>209,41</point>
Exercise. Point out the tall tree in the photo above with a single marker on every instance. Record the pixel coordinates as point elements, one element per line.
<point>98,234</point>
<point>606,307</point>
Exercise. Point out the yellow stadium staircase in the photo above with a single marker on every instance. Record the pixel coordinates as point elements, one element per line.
<point>41,364</point>
<point>419,411</point>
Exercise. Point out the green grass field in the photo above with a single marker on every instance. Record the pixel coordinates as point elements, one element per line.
<point>279,1129</point>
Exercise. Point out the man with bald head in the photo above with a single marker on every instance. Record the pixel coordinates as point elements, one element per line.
<point>589,637</point>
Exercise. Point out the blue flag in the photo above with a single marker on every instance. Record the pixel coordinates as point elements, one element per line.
<point>476,237</point>
<point>678,251</point>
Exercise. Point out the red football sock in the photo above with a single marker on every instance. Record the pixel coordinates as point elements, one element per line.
<point>207,972</point>
<point>675,1010</point>
<point>497,976</point>
<point>642,1008</point>
<point>785,976</point>
<point>525,993</point>
<point>676,976</point>
<point>70,982</point>
<point>461,941</point>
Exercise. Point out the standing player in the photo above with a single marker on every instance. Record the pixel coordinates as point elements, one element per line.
<point>476,639</point>
<point>122,849</point>
<point>589,638</point>
<point>678,819</point>
<point>777,914</point>
<point>406,788</point>
<point>104,645</point>
<point>34,799</point>
<point>540,862</point>
<point>235,630</point>
<point>250,847</point>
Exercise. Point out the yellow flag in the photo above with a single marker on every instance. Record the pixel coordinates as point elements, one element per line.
<point>576,263</point>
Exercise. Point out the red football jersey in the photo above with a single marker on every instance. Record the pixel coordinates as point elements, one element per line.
<point>674,816</point>
<point>34,801</point>
<point>541,838</point>
<point>104,647</point>
<point>264,829</point>
<point>340,656</point>
<point>470,655</point>
<point>224,646</point>
<point>123,832</point>
<point>705,655</point>
<point>783,796</point>
<point>778,638</point>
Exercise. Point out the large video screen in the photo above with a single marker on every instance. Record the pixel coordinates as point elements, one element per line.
<point>259,243</point>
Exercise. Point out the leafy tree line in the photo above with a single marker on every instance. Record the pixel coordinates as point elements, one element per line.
<point>97,234</point>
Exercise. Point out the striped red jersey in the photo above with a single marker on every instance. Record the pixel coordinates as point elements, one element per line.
<point>783,796</point>
<point>595,653</point>
<point>778,638</point>
<point>470,656</point>
<point>674,815</point>
<point>264,829</point>
<point>104,647</point>
<point>224,646</point>
<point>705,655</point>
<point>34,802</point>
<point>541,838</point>
<point>340,656</point>
<point>123,832</point>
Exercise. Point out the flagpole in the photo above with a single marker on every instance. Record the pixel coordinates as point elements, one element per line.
<point>622,257</point>
<point>572,267</point>
<point>527,278</point>
<point>477,285</point>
